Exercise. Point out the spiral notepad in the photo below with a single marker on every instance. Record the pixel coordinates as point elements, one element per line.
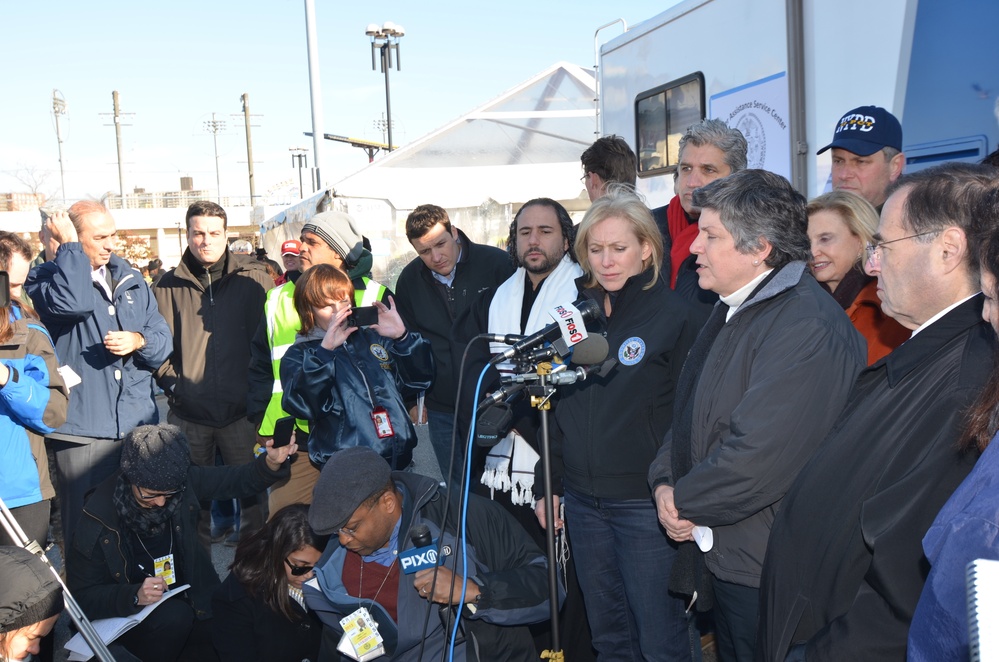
<point>983,610</point>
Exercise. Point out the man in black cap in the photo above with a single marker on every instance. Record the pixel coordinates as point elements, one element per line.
<point>138,539</point>
<point>376,513</point>
<point>866,153</point>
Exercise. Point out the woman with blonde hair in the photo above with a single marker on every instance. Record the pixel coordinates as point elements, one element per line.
<point>840,225</point>
<point>609,429</point>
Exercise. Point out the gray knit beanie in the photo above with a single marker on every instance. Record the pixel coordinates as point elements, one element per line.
<point>339,231</point>
<point>156,457</point>
<point>29,592</point>
<point>348,479</point>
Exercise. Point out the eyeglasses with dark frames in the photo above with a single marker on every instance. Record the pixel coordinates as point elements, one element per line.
<point>150,497</point>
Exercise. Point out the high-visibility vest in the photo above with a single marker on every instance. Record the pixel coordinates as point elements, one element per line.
<point>283,325</point>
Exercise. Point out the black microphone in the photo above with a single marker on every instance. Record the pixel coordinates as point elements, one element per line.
<point>589,310</point>
<point>508,339</point>
<point>420,535</point>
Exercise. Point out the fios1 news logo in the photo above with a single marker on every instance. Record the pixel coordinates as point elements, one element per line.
<point>569,323</point>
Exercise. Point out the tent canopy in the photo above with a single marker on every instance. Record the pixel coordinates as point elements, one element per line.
<point>524,144</point>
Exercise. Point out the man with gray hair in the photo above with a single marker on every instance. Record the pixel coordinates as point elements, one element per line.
<point>709,150</point>
<point>845,564</point>
<point>110,337</point>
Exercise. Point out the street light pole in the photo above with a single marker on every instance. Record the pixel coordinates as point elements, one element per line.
<point>214,127</point>
<point>59,108</point>
<point>384,40</point>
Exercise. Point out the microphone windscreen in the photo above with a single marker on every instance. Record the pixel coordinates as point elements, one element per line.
<point>420,534</point>
<point>592,349</point>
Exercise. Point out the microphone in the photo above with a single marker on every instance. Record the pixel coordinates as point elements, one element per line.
<point>508,339</point>
<point>422,555</point>
<point>568,329</point>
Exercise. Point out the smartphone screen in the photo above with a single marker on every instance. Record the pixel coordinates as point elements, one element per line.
<point>363,316</point>
<point>282,431</point>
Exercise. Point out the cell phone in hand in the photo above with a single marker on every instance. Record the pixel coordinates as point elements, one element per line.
<point>363,316</point>
<point>282,431</point>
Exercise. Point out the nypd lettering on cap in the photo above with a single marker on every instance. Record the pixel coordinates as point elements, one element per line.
<point>631,351</point>
<point>379,352</point>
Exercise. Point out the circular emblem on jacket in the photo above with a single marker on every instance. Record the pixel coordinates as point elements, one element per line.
<point>379,353</point>
<point>631,351</point>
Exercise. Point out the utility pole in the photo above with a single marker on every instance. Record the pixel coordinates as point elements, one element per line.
<point>117,137</point>
<point>215,127</point>
<point>299,157</point>
<point>249,144</point>
<point>117,115</point>
<point>59,108</point>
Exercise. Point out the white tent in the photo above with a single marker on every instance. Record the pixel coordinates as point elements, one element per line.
<point>524,144</point>
<point>481,167</point>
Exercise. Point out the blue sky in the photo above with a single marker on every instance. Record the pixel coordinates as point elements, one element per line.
<point>175,63</point>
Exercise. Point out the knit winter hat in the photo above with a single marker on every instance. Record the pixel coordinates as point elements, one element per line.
<point>348,479</point>
<point>156,457</point>
<point>339,231</point>
<point>29,592</point>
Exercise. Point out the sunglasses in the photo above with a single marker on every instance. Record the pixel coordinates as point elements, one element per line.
<point>150,497</point>
<point>299,570</point>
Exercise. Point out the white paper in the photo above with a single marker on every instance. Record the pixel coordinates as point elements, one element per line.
<point>110,629</point>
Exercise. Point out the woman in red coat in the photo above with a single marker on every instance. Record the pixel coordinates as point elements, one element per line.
<point>840,224</point>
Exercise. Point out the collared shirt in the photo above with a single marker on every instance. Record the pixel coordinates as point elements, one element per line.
<point>737,298</point>
<point>100,276</point>
<point>942,313</point>
<point>449,279</point>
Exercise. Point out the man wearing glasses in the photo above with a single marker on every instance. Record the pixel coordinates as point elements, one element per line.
<point>138,539</point>
<point>845,564</point>
<point>372,574</point>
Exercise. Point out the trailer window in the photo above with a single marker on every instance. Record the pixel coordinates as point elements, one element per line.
<point>661,116</point>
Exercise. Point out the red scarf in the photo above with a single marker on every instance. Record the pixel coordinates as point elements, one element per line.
<point>682,232</point>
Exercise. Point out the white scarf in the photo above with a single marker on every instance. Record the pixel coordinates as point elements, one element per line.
<point>510,463</point>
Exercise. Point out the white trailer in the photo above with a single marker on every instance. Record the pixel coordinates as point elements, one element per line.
<point>785,71</point>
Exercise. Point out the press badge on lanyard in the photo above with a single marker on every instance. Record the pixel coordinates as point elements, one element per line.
<point>383,424</point>
<point>164,567</point>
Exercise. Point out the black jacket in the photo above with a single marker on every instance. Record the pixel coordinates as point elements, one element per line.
<point>206,375</point>
<point>845,564</point>
<point>96,563</point>
<point>429,307</point>
<point>611,427</point>
<point>776,377</point>
<point>510,569</point>
<point>245,629</point>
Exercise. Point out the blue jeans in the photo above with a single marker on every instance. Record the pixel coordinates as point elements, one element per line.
<point>441,428</point>
<point>623,561</point>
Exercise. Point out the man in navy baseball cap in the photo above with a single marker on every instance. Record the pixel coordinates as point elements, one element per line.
<point>866,153</point>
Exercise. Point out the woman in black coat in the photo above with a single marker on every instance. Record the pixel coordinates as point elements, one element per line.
<point>259,611</point>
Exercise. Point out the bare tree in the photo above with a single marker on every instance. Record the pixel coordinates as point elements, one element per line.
<point>33,179</point>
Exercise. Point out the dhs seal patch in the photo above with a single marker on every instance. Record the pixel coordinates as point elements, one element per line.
<point>631,351</point>
<point>379,352</point>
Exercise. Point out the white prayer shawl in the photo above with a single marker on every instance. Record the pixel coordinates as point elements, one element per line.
<point>510,463</point>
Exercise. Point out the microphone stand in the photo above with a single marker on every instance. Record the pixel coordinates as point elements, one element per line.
<point>541,395</point>
<point>16,533</point>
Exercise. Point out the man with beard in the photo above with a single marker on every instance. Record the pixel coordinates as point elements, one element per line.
<point>541,237</point>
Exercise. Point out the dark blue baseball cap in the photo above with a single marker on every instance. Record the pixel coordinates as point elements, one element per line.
<point>866,130</point>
